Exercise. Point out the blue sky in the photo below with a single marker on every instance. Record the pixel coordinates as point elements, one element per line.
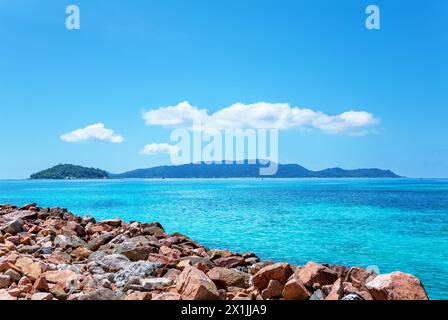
<point>136,56</point>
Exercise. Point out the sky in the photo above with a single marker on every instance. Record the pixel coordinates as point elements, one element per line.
<point>109,94</point>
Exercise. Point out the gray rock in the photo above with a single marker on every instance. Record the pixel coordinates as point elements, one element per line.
<point>134,251</point>
<point>89,219</point>
<point>352,297</point>
<point>96,256</point>
<point>13,275</point>
<point>68,241</point>
<point>317,295</point>
<point>13,227</point>
<point>99,294</point>
<point>29,249</point>
<point>155,283</point>
<point>141,269</point>
<point>114,262</point>
<point>96,243</point>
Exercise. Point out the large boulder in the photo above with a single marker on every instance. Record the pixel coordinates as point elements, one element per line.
<point>134,251</point>
<point>12,227</point>
<point>224,278</point>
<point>397,286</point>
<point>313,273</point>
<point>294,289</point>
<point>69,241</point>
<point>193,284</point>
<point>278,271</point>
<point>97,242</point>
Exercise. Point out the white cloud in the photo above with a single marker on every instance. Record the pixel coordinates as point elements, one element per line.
<point>159,148</point>
<point>261,115</point>
<point>94,132</point>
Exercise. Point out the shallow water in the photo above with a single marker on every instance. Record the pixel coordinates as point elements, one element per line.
<point>395,224</point>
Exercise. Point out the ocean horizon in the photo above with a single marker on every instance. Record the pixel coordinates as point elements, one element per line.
<point>388,224</point>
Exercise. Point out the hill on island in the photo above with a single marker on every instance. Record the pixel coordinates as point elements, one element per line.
<point>204,170</point>
<point>234,170</point>
<point>69,171</point>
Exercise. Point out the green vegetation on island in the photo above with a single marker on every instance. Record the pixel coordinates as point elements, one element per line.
<point>69,171</point>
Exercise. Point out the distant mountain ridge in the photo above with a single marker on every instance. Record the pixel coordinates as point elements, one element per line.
<point>204,170</point>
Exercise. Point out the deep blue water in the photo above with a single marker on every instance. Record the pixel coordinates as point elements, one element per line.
<point>394,224</point>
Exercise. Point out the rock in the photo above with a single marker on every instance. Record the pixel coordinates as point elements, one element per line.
<point>114,262</point>
<point>336,291</point>
<point>21,214</point>
<point>42,296</point>
<point>138,296</point>
<point>352,297</point>
<point>295,290</point>
<point>81,253</point>
<point>4,295</point>
<point>99,294</point>
<point>273,290</point>
<point>69,242</point>
<point>167,296</point>
<point>253,269</point>
<point>154,231</point>
<point>155,283</point>
<point>396,286</point>
<point>359,277</point>
<point>66,278</point>
<point>29,249</point>
<point>114,223</point>
<point>317,295</point>
<point>32,270</point>
<point>5,281</point>
<point>97,242</point>
<point>229,262</point>
<point>141,269</point>
<point>41,284</point>
<point>12,227</point>
<point>59,258</point>
<point>313,273</point>
<point>13,275</point>
<point>224,278</point>
<point>57,291</point>
<point>194,260</point>
<point>193,284</point>
<point>134,251</point>
<point>278,271</point>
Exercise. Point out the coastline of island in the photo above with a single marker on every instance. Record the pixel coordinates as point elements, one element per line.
<point>52,254</point>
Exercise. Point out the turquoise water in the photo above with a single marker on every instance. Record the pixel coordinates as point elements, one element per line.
<point>393,224</point>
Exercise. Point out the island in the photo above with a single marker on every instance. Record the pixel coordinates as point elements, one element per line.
<point>209,171</point>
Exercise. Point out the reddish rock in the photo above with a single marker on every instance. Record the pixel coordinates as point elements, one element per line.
<point>396,286</point>
<point>313,273</point>
<point>295,290</point>
<point>195,285</point>
<point>42,296</point>
<point>224,278</point>
<point>278,271</point>
<point>41,284</point>
<point>167,296</point>
<point>63,277</point>
<point>229,262</point>
<point>273,290</point>
<point>336,292</point>
<point>4,295</point>
<point>159,258</point>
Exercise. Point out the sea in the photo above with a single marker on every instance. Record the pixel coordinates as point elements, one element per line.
<point>385,224</point>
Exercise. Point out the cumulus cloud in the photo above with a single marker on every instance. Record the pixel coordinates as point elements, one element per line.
<point>94,132</point>
<point>159,148</point>
<point>261,115</point>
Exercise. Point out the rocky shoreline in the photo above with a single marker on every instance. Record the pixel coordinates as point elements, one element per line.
<point>51,254</point>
